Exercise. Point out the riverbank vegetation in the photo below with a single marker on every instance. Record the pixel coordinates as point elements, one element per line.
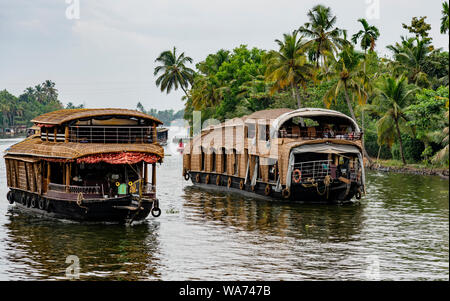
<point>400,101</point>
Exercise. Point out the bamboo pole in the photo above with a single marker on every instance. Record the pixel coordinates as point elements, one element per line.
<point>154,176</point>
<point>66,134</point>
<point>48,176</point>
<point>67,176</point>
<point>145,172</point>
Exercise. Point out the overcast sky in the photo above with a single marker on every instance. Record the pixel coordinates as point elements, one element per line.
<point>106,57</point>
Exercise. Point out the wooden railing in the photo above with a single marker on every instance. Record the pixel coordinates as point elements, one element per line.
<point>311,135</point>
<point>75,189</point>
<point>111,134</point>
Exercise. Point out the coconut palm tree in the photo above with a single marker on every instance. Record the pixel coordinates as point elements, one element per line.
<point>445,18</point>
<point>174,72</point>
<point>325,37</point>
<point>368,35</point>
<point>412,60</point>
<point>442,155</point>
<point>393,97</point>
<point>346,69</point>
<point>49,89</point>
<point>288,67</point>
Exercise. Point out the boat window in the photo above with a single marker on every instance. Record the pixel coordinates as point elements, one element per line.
<point>235,162</point>
<point>224,160</point>
<point>251,130</point>
<point>213,160</point>
<point>264,132</point>
<point>202,158</point>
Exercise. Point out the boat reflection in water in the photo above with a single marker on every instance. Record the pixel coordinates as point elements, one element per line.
<point>327,223</point>
<point>38,249</point>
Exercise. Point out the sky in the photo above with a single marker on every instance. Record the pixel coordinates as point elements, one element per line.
<point>102,53</point>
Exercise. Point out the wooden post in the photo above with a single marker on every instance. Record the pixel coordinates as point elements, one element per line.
<point>48,176</point>
<point>46,134</point>
<point>66,134</point>
<point>67,176</point>
<point>155,136</point>
<point>154,176</point>
<point>145,173</point>
<point>55,132</point>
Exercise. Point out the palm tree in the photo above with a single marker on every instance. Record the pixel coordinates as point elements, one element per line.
<point>392,98</point>
<point>206,91</point>
<point>49,89</point>
<point>442,155</point>
<point>174,71</point>
<point>445,18</point>
<point>324,36</point>
<point>368,35</point>
<point>346,70</point>
<point>412,60</point>
<point>288,67</point>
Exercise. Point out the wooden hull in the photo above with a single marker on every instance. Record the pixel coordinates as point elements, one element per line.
<point>337,192</point>
<point>116,210</point>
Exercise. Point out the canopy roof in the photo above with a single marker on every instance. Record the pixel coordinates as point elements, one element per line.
<point>313,113</point>
<point>62,116</point>
<point>34,146</point>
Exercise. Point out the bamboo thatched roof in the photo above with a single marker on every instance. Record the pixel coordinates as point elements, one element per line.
<point>34,146</point>
<point>62,116</point>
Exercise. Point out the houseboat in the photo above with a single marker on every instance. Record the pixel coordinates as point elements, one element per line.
<point>305,155</point>
<point>87,165</point>
<point>162,135</point>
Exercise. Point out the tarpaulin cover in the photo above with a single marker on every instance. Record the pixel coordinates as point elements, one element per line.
<point>119,158</point>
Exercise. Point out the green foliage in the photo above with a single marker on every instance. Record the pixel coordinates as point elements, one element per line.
<point>165,116</point>
<point>317,66</point>
<point>413,149</point>
<point>17,111</point>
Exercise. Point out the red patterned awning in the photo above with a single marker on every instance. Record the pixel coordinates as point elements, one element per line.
<point>120,158</point>
<point>42,125</point>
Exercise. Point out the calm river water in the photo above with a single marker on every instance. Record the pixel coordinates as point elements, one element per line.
<point>399,231</point>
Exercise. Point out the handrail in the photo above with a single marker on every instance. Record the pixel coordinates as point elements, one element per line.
<point>75,189</point>
<point>111,134</point>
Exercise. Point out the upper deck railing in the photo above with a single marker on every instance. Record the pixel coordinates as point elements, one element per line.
<point>311,135</point>
<point>111,134</point>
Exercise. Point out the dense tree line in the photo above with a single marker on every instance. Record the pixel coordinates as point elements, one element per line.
<point>166,116</point>
<point>18,111</point>
<point>400,102</point>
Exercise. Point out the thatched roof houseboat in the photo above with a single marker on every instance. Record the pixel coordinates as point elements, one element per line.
<point>88,165</point>
<point>303,155</point>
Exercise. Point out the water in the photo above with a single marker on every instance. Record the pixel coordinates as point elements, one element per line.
<point>399,231</point>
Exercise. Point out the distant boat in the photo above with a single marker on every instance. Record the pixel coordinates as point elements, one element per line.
<point>184,139</point>
<point>162,135</point>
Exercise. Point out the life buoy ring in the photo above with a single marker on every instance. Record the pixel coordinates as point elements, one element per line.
<point>229,182</point>
<point>297,175</point>
<point>41,203</point>
<point>286,193</point>
<point>187,176</point>
<point>241,185</point>
<point>10,198</point>
<point>218,180</point>
<point>267,190</point>
<point>207,179</point>
<point>155,212</point>
<point>32,202</point>
<point>197,178</point>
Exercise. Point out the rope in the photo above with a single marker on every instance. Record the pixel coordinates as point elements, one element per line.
<point>80,199</point>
